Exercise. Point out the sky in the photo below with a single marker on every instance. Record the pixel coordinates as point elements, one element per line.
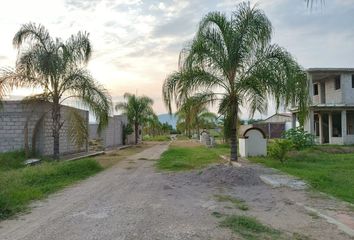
<point>136,43</point>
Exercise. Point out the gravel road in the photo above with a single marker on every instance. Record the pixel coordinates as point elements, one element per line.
<point>131,200</point>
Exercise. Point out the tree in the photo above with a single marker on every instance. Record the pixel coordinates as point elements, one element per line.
<point>232,61</point>
<point>138,109</point>
<point>192,111</point>
<point>58,68</point>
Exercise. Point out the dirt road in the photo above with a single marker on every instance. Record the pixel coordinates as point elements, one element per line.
<point>133,201</point>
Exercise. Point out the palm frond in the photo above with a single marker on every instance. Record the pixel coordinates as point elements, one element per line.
<point>77,131</point>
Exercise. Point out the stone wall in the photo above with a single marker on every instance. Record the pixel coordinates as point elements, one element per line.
<point>14,116</point>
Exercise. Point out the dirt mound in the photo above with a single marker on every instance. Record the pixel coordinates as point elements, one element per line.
<point>224,174</point>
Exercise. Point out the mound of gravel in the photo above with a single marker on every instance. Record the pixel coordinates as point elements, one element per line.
<point>225,175</point>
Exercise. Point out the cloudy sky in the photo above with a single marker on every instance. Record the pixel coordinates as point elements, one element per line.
<point>136,43</point>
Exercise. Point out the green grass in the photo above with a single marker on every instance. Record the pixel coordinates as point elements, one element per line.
<point>239,203</point>
<point>12,160</point>
<point>180,158</point>
<point>326,170</point>
<point>20,185</point>
<point>249,228</point>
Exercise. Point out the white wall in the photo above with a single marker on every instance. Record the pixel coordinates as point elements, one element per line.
<point>253,145</point>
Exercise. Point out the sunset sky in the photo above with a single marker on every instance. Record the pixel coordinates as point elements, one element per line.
<point>136,43</point>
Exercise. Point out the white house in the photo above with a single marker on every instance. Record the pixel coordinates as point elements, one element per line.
<point>331,115</point>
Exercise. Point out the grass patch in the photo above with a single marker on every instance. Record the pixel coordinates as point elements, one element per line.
<point>180,157</point>
<point>20,186</point>
<point>331,173</point>
<point>239,203</point>
<point>12,160</point>
<point>249,228</point>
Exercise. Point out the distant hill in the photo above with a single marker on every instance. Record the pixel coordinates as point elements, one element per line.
<point>170,119</point>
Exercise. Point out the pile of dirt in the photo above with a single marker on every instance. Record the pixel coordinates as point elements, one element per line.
<point>226,175</point>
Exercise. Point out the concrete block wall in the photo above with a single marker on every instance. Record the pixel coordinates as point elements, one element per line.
<point>347,88</point>
<point>13,118</point>
<point>112,135</point>
<point>332,95</point>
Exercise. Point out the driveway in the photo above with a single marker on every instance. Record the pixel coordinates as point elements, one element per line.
<point>133,201</point>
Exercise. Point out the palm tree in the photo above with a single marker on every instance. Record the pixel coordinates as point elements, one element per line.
<point>138,110</point>
<point>190,111</point>
<point>232,61</point>
<point>58,68</point>
<point>205,120</point>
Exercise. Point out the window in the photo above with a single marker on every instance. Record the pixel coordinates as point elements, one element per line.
<point>352,81</point>
<point>315,89</point>
<point>337,83</point>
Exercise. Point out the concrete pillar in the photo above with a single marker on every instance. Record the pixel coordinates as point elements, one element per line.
<point>320,93</point>
<point>312,122</point>
<point>293,120</point>
<point>330,127</point>
<point>344,126</point>
<point>310,82</point>
<point>320,125</point>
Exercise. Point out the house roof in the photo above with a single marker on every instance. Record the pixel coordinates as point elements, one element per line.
<point>329,70</point>
<point>279,114</point>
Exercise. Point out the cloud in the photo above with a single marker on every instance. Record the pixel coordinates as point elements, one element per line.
<point>136,43</point>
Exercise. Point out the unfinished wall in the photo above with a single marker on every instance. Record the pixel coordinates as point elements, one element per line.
<point>14,116</point>
<point>112,135</point>
<point>333,95</point>
<point>347,89</point>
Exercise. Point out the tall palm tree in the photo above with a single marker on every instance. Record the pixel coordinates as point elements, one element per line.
<point>232,62</point>
<point>190,111</point>
<point>205,119</point>
<point>152,125</point>
<point>138,110</point>
<point>58,68</point>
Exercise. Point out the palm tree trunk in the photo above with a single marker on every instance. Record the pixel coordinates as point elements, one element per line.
<point>136,126</point>
<point>233,134</point>
<point>56,129</point>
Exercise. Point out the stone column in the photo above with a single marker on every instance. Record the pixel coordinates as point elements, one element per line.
<point>312,123</point>
<point>310,86</point>
<point>320,125</point>
<point>344,126</point>
<point>319,92</point>
<point>330,127</point>
<point>293,120</point>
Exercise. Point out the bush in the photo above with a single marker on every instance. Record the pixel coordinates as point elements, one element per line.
<point>280,148</point>
<point>300,138</point>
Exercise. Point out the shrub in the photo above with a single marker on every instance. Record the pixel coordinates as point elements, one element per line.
<point>280,148</point>
<point>299,137</point>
